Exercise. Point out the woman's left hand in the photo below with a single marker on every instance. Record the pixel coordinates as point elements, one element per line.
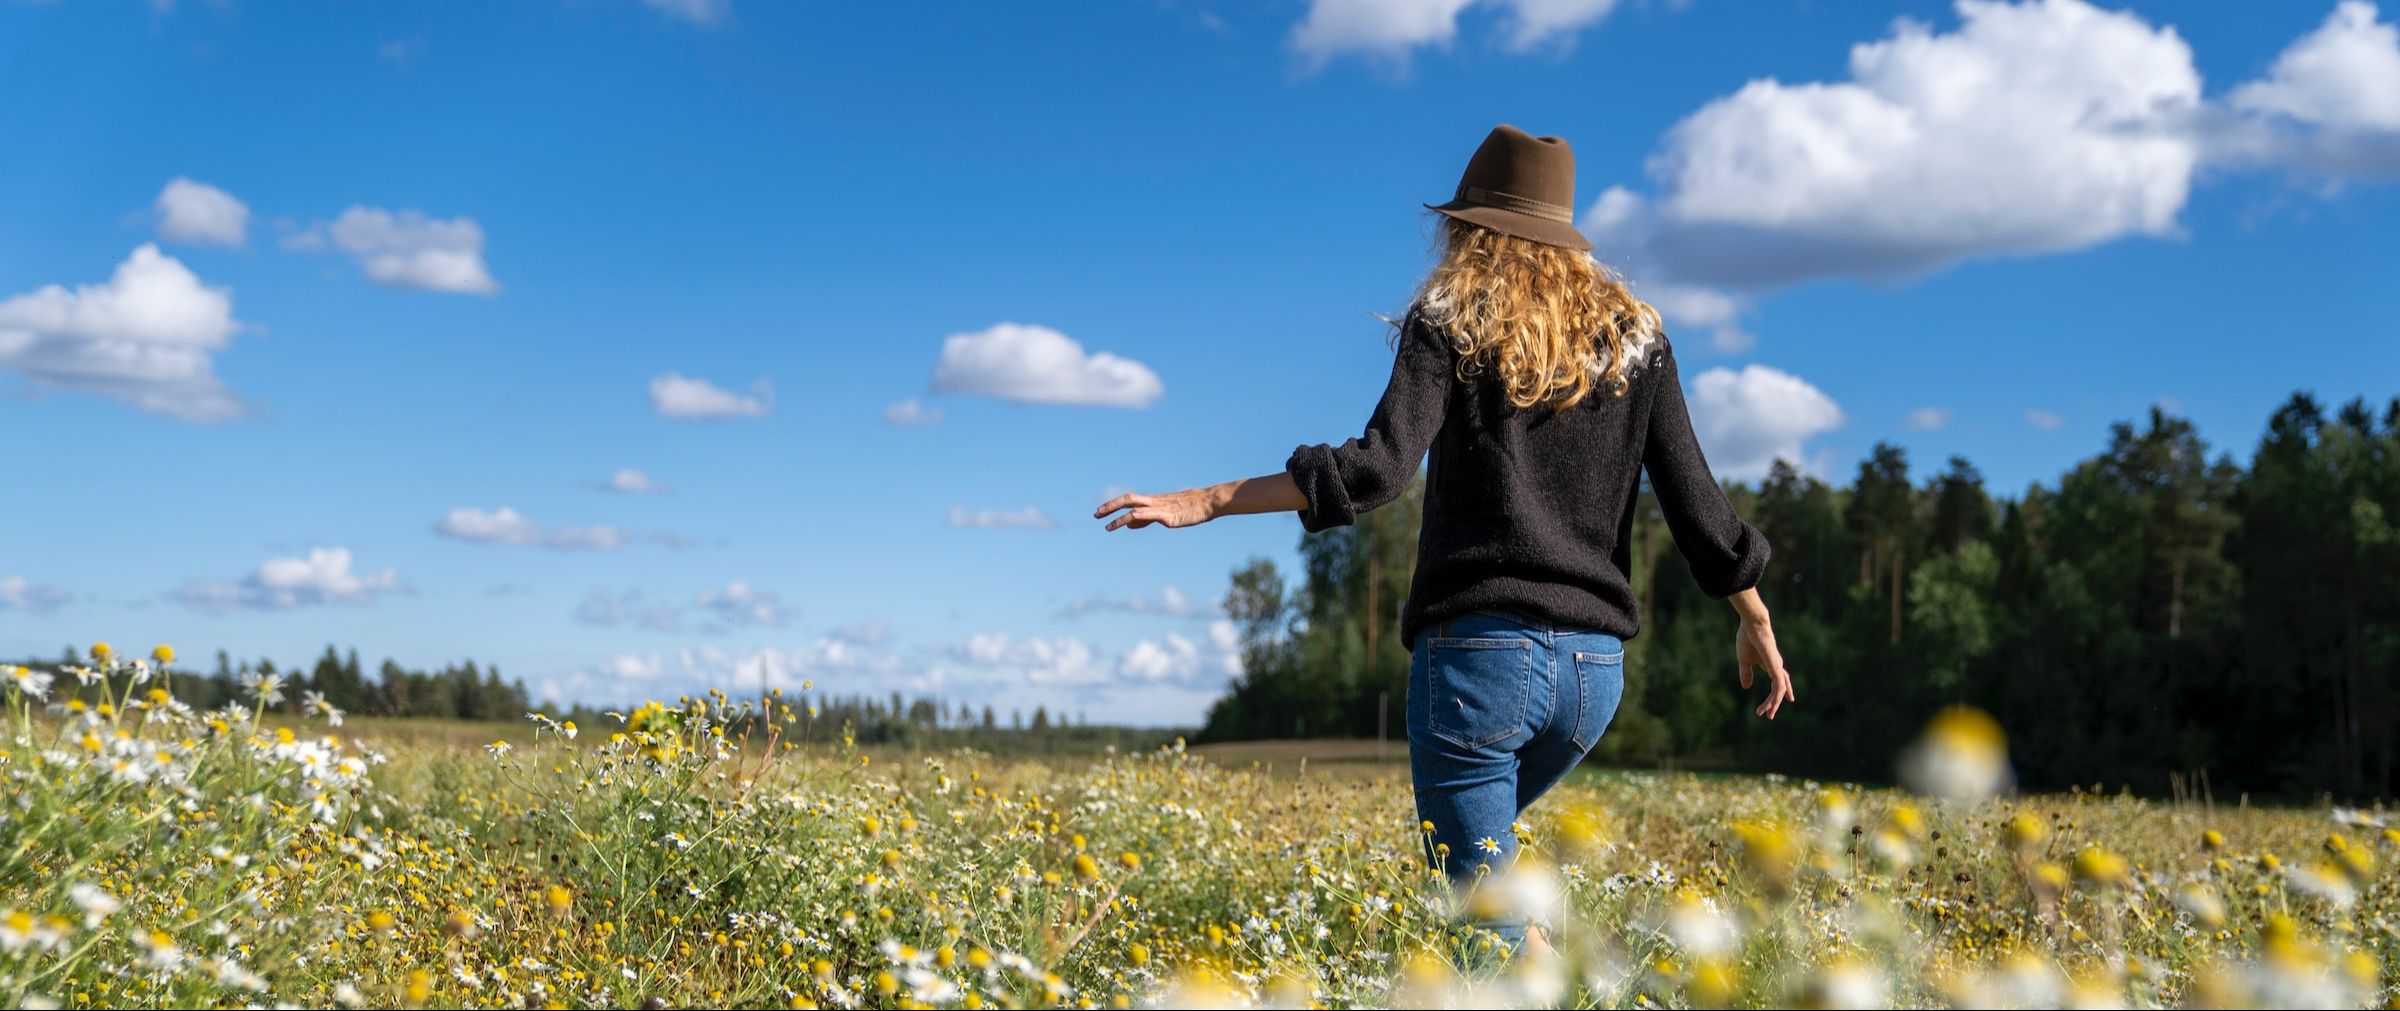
<point>1189,507</point>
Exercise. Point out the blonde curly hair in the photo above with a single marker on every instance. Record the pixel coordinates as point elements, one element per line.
<point>1550,322</point>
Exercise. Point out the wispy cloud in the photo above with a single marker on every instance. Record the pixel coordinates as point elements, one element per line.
<point>18,593</point>
<point>1169,602</point>
<point>674,395</point>
<point>508,526</point>
<point>1028,518</point>
<point>631,482</point>
<point>911,413</point>
<point>1926,419</point>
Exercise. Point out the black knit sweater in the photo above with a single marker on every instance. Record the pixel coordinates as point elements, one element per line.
<point>1530,509</point>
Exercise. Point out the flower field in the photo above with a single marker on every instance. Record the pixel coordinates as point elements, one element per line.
<point>692,854</point>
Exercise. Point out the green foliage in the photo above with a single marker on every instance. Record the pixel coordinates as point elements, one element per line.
<point>2159,614</point>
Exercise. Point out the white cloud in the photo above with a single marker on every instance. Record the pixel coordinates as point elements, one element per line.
<point>1028,518</point>
<point>2044,420</point>
<point>1063,660</point>
<point>18,593</point>
<point>1926,419</point>
<point>1038,365</point>
<point>1170,601</point>
<point>699,12</point>
<point>740,604</point>
<point>323,577</point>
<point>508,526</point>
<point>1747,420</point>
<point>407,249</point>
<point>631,482</point>
<point>197,212</point>
<point>147,337</point>
<point>911,413</point>
<point>1149,660</point>
<point>2030,128</point>
<point>1393,28</point>
<point>1176,658</point>
<point>2330,103</point>
<point>675,396</point>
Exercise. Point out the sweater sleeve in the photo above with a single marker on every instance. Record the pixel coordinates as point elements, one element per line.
<point>1362,473</point>
<point>1726,555</point>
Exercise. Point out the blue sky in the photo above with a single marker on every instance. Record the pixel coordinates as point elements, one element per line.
<point>878,301</point>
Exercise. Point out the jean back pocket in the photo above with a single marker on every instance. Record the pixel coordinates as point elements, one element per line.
<point>1477,688</point>
<point>1599,686</point>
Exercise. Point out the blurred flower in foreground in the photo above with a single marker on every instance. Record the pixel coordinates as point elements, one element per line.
<point>1963,757</point>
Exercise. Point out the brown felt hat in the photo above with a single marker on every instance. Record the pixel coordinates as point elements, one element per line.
<point>1521,185</point>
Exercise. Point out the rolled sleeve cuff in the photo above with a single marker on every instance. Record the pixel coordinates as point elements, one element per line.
<point>1743,570</point>
<point>1319,476</point>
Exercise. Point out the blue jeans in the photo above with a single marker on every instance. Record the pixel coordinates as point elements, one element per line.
<point>1500,708</point>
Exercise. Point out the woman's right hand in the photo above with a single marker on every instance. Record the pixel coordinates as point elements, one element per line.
<point>1754,650</point>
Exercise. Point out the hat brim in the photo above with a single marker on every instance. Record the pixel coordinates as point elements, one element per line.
<point>1517,223</point>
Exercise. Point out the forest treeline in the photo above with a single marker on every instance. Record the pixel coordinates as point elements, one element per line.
<point>468,691</point>
<point>2156,613</point>
<point>462,691</point>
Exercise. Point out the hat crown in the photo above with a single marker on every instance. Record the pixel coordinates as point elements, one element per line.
<point>1519,165</point>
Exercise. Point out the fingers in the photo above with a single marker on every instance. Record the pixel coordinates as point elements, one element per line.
<point>1139,517</point>
<point>1125,501</point>
<point>1744,673</point>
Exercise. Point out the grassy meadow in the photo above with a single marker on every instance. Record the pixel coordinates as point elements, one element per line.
<point>698,853</point>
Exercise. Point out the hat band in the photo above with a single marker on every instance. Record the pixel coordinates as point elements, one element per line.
<point>1521,205</point>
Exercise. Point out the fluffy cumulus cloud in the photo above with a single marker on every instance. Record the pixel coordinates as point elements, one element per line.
<point>324,576</point>
<point>508,526</point>
<point>407,249</point>
<point>674,395</point>
<point>1028,518</point>
<point>199,213</point>
<point>18,593</point>
<point>148,336</point>
<point>1747,420</point>
<point>1175,658</point>
<point>1391,29</point>
<point>1049,661</point>
<point>1038,365</point>
<point>2330,103</point>
<point>2029,128</point>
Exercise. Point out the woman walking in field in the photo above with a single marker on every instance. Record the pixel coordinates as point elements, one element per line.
<point>1543,389</point>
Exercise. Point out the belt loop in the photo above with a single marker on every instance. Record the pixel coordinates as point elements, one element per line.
<point>1442,629</point>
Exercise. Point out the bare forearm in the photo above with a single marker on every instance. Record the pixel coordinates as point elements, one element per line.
<point>1271,493</point>
<point>1749,606</point>
<point>1191,506</point>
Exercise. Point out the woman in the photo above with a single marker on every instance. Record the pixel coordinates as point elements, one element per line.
<point>1543,389</point>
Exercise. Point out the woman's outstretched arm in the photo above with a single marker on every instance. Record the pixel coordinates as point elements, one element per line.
<point>1272,493</point>
<point>1329,485</point>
